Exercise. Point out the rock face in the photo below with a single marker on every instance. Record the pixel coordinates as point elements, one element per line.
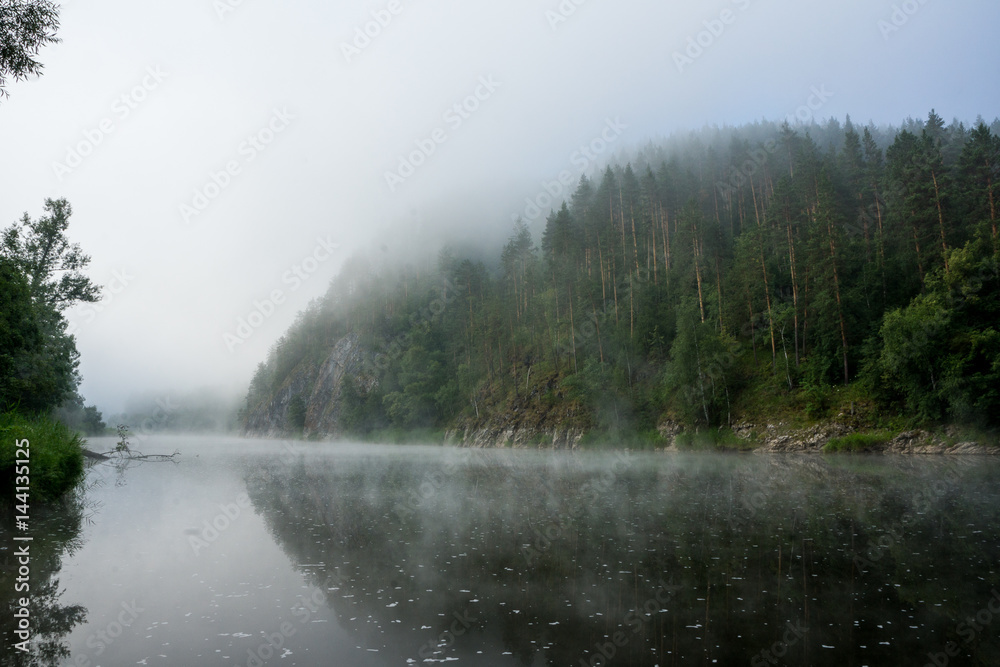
<point>516,437</point>
<point>528,421</point>
<point>774,438</point>
<point>320,388</point>
<point>531,422</point>
<point>781,438</point>
<point>922,442</point>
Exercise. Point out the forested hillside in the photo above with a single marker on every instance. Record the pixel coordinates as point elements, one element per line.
<point>721,275</point>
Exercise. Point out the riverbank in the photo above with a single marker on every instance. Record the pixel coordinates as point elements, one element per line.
<point>54,455</point>
<point>828,437</point>
<point>833,438</point>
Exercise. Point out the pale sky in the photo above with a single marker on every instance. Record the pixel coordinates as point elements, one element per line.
<point>218,153</point>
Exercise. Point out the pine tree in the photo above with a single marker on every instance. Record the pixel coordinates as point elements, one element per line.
<point>979,168</point>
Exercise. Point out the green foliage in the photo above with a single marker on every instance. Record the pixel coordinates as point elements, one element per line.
<point>817,400</point>
<point>40,277</point>
<point>92,422</point>
<point>362,410</point>
<point>858,442</point>
<point>737,274</point>
<point>122,446</point>
<point>52,265</point>
<point>641,440</point>
<point>422,391</point>
<point>296,417</point>
<point>86,419</point>
<point>701,370</point>
<point>56,458</point>
<point>25,27</point>
<point>20,335</point>
<point>711,439</point>
<point>941,353</point>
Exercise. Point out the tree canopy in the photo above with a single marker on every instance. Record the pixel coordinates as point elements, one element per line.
<point>40,277</point>
<point>25,27</point>
<point>719,273</point>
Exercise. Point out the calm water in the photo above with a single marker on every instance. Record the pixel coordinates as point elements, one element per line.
<point>250,553</point>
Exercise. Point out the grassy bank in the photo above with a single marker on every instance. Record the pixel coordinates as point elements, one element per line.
<point>56,457</point>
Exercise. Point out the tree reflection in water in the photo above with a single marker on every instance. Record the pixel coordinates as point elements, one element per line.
<point>55,530</point>
<point>692,560</point>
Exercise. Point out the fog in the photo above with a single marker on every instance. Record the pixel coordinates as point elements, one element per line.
<point>221,154</point>
<point>542,556</point>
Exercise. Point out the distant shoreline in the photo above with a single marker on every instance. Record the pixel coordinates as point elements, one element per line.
<point>823,438</point>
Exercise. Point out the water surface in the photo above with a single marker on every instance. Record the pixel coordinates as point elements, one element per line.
<point>250,553</point>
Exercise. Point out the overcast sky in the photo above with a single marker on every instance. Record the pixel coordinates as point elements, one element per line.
<point>214,151</point>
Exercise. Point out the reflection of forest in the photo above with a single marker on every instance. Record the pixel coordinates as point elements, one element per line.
<point>879,558</point>
<point>56,533</point>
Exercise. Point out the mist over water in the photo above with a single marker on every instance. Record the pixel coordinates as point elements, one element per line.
<point>307,554</point>
<point>566,221</point>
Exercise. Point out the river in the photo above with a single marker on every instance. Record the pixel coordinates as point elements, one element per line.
<point>268,553</point>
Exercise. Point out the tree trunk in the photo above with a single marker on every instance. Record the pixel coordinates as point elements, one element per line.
<point>697,268</point>
<point>916,244</point>
<point>944,242</point>
<point>993,208</point>
<point>572,326</point>
<point>836,290</point>
<point>795,286</point>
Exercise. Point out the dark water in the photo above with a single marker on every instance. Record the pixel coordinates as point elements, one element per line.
<point>300,554</point>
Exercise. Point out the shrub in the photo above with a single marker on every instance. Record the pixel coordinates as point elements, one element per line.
<point>858,442</point>
<point>56,455</point>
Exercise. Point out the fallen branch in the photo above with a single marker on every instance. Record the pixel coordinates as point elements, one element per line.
<point>122,451</point>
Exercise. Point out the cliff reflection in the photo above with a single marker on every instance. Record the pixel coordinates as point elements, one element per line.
<point>518,558</point>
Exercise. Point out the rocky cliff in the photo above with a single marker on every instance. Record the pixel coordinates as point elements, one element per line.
<point>319,386</point>
<point>541,417</point>
<point>544,417</point>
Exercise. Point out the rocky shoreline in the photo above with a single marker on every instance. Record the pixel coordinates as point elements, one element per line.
<point>515,438</point>
<point>767,439</point>
<point>812,440</point>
